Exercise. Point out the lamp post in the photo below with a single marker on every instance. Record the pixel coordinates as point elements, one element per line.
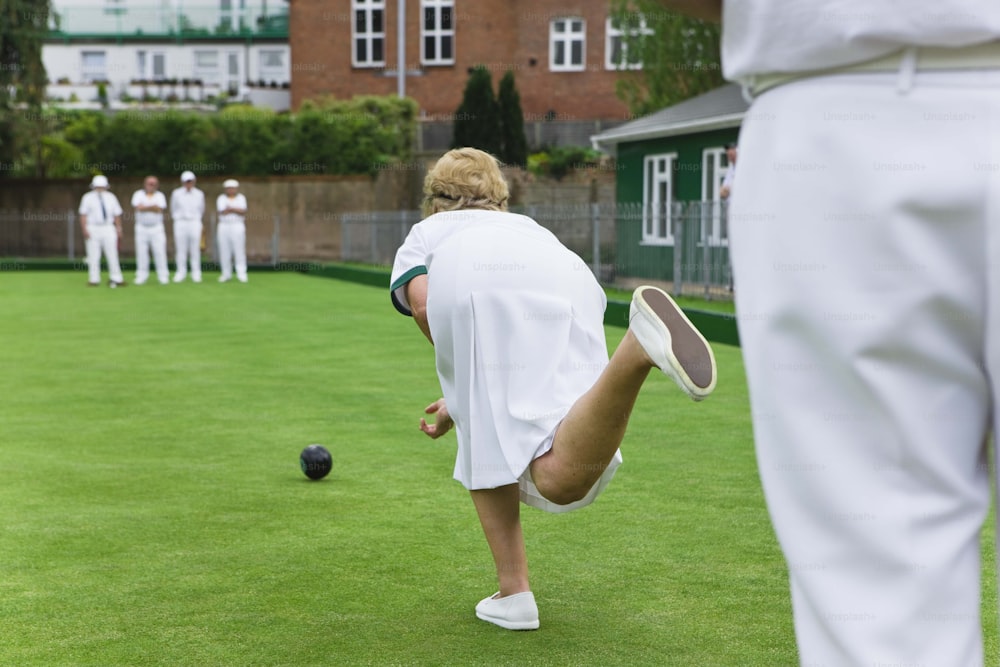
<point>401,47</point>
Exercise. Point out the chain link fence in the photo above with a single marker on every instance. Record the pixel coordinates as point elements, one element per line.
<point>682,246</point>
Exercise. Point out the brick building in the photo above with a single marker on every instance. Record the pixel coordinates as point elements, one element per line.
<point>563,53</point>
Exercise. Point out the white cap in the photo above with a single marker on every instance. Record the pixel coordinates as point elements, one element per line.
<point>231,183</point>
<point>99,181</point>
<point>187,176</point>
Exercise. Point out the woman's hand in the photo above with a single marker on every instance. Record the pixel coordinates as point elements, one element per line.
<point>442,420</point>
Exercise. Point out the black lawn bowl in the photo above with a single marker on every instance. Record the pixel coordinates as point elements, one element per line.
<point>315,461</point>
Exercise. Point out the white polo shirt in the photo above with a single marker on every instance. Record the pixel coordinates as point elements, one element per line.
<point>224,202</point>
<point>778,36</point>
<point>100,207</point>
<point>149,218</point>
<point>187,205</point>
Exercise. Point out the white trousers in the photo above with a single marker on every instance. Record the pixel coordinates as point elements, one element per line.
<point>102,239</point>
<point>151,239</point>
<point>232,239</point>
<point>187,245</point>
<point>866,244</point>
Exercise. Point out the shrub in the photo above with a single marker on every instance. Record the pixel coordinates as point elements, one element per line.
<point>477,119</point>
<point>515,145</point>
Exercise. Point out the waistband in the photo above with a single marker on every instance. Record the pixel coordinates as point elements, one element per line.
<point>906,62</point>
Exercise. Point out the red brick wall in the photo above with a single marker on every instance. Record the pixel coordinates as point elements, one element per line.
<point>501,35</point>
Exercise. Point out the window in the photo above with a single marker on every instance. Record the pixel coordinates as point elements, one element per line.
<point>369,33</point>
<point>272,65</point>
<point>233,77</point>
<point>714,164</point>
<point>438,32</point>
<point>94,66</point>
<point>656,199</point>
<point>566,45</point>
<point>206,66</point>
<point>115,7</point>
<point>619,32</point>
<point>141,64</point>
<point>159,66</point>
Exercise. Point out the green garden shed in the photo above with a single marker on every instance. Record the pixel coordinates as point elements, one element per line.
<point>671,223</point>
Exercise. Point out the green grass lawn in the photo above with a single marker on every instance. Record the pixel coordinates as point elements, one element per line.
<point>154,512</point>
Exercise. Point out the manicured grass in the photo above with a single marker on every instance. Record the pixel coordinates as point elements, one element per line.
<point>154,512</point>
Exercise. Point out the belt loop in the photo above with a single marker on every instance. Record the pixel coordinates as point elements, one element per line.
<point>907,70</point>
<point>747,89</point>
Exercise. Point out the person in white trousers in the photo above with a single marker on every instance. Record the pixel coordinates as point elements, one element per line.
<point>150,236</point>
<point>866,243</point>
<point>232,232</point>
<point>187,208</point>
<point>101,222</point>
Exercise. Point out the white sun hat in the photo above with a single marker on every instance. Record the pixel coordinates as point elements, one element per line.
<point>187,176</point>
<point>231,183</point>
<point>99,181</point>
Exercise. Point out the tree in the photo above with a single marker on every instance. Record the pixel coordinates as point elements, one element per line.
<point>477,120</point>
<point>679,56</point>
<point>514,144</point>
<point>23,25</point>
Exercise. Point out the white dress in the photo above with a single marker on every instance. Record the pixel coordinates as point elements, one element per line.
<point>518,326</point>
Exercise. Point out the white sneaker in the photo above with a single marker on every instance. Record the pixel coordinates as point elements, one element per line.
<point>514,612</point>
<point>223,279</point>
<point>179,278</point>
<point>196,280</point>
<point>672,342</point>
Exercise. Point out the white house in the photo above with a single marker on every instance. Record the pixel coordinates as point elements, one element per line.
<point>169,49</point>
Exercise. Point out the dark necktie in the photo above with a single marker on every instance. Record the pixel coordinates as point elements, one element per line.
<point>104,211</point>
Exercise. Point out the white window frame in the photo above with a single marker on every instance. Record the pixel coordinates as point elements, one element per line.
<point>438,33</point>
<point>153,56</point>
<point>657,226</point>
<point>714,164</point>
<point>270,73</point>
<point>615,34</point>
<point>369,36</point>
<point>208,74</point>
<point>90,73</point>
<point>561,32</point>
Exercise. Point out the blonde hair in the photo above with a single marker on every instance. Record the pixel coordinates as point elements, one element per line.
<point>465,178</point>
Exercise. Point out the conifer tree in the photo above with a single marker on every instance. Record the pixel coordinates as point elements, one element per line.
<point>515,145</point>
<point>477,120</point>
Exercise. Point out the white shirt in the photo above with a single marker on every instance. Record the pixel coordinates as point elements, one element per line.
<point>100,207</point>
<point>778,36</point>
<point>727,180</point>
<point>149,218</point>
<point>224,202</point>
<point>187,204</point>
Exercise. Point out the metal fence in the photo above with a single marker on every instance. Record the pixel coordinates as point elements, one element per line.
<point>683,246</point>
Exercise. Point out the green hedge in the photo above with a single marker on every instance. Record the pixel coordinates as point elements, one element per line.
<point>358,136</point>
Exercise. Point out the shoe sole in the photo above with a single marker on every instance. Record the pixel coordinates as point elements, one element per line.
<point>692,352</point>
<point>509,625</point>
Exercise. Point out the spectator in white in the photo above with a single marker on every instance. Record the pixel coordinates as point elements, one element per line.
<point>869,311</point>
<point>727,180</point>
<point>150,236</point>
<point>187,208</point>
<point>232,232</point>
<point>101,222</point>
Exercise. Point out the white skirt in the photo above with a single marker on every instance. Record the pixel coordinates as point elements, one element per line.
<point>518,326</point>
